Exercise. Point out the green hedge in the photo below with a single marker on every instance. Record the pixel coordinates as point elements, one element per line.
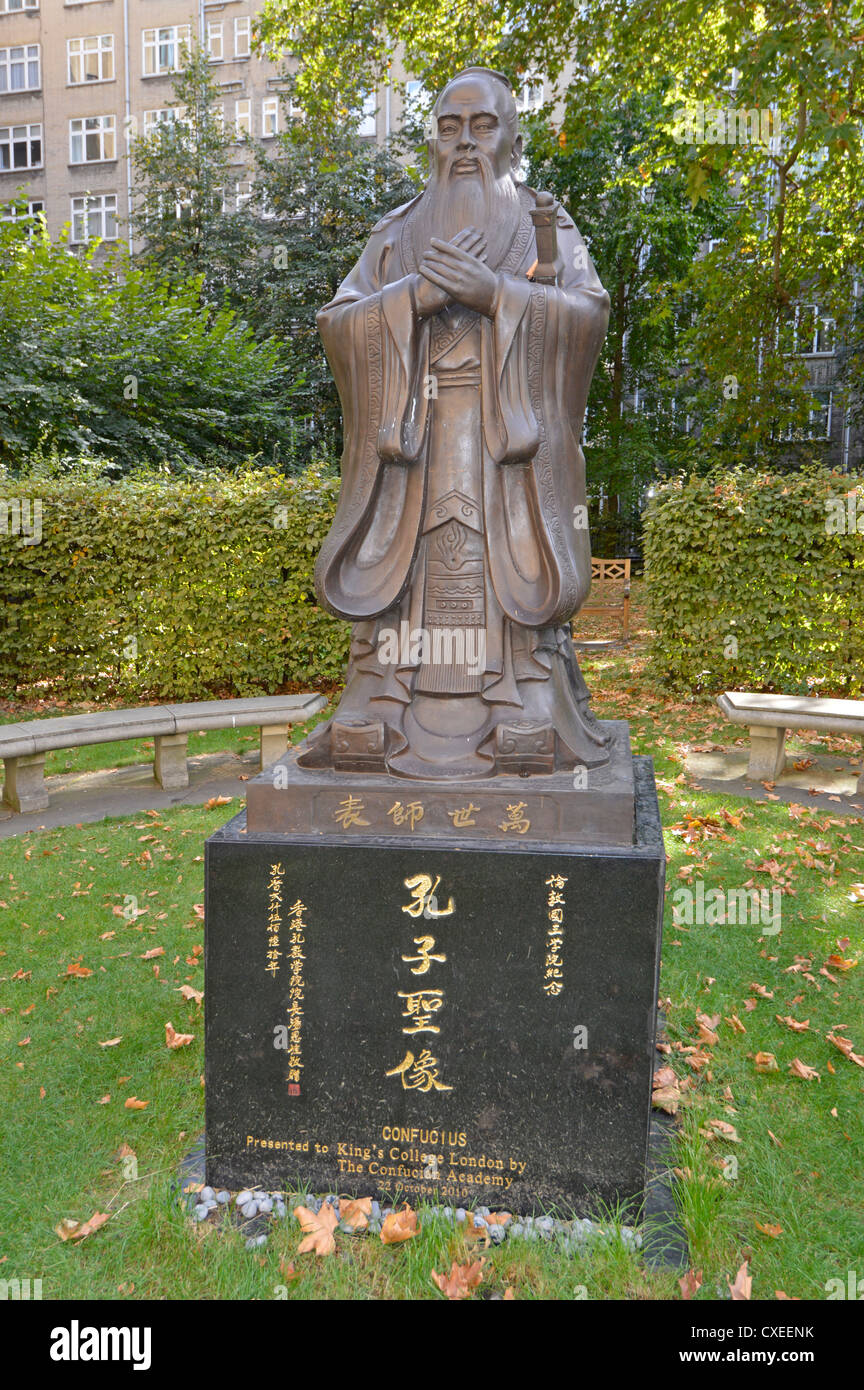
<point>167,590</point>
<point>752,584</point>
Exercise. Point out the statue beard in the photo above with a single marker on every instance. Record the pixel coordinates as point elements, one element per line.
<point>469,200</point>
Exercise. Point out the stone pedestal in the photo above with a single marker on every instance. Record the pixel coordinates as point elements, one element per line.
<point>402,1015</point>
<point>24,783</point>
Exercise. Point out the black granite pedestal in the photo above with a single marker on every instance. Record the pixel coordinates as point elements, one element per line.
<point>394,1016</point>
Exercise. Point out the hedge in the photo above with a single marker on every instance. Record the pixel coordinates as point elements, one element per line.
<point>159,589</point>
<point>756,581</point>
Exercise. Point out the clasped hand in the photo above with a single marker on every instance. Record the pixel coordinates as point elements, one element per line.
<point>457,270</point>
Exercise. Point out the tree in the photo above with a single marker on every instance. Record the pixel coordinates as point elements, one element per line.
<point>106,358</point>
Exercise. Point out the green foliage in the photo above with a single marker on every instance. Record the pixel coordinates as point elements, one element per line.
<point>168,589</point>
<point>755,581</point>
<point>107,358</point>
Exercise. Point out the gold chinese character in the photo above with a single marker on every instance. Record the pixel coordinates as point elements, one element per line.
<point>421,1075</point>
<point>553,988</point>
<point>349,812</point>
<point>419,1007</point>
<point>424,959</point>
<point>516,820</point>
<point>464,815</point>
<point>412,813</point>
<point>556,881</point>
<point>425,902</point>
<point>554,899</point>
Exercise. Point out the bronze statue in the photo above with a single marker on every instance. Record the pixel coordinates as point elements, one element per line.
<point>463,344</point>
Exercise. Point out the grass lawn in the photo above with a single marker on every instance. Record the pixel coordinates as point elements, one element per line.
<point>770,1163</point>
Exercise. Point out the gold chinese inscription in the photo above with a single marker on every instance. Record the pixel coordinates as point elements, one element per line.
<point>274,918</point>
<point>412,813</point>
<point>421,1072</point>
<point>463,815</point>
<point>516,818</point>
<point>296,995</point>
<point>348,811</point>
<point>553,973</point>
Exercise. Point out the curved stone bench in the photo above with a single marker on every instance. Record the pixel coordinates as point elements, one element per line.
<point>769,716</point>
<point>23,747</point>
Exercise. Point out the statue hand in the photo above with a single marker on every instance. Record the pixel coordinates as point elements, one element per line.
<point>464,277</point>
<point>429,297</point>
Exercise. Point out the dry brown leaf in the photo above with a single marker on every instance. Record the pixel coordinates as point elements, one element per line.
<point>740,1290</point>
<point>399,1225</point>
<point>728,1131</point>
<point>775,1140</point>
<point>318,1228</point>
<point>735,1024</point>
<point>772,1231</point>
<point>845,1045</point>
<point>762,991</point>
<point>189,993</point>
<point>461,1280</point>
<point>157,951</point>
<point>786,1297</point>
<point>111,1042</point>
<point>690,1283</point>
<point>174,1039</point>
<point>799,1069</point>
<point>217,801</point>
<point>77,969</point>
<point>77,1230</point>
<point>797,1026</point>
<point>765,1061</point>
<point>133,1103</point>
<point>356,1212</point>
<point>288,1270</point>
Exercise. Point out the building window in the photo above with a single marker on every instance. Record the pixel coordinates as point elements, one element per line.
<point>164,48</point>
<point>94,217</point>
<point>214,42</point>
<point>530,95</point>
<point>19,68</point>
<point>91,59</point>
<point>242,36</point>
<point>814,332</point>
<point>269,117</point>
<point>165,115</point>
<point>243,118</point>
<point>367,115</point>
<point>819,420</point>
<point>12,211</point>
<point>16,6</point>
<point>20,147</point>
<point>92,140</point>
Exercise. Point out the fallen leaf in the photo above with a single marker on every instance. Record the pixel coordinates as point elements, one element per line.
<point>797,1026</point>
<point>189,993</point>
<point>356,1212</point>
<point>157,951</point>
<point>461,1280</point>
<point>79,970</point>
<point>740,1290</point>
<point>133,1103</point>
<point>765,1061</point>
<point>690,1283</point>
<point>399,1225</point>
<point>76,1230</point>
<point>111,1042</point>
<point>174,1039</point>
<point>773,1231</point>
<point>217,801</point>
<point>288,1270</point>
<point>798,1068</point>
<point>318,1228</point>
<point>728,1131</point>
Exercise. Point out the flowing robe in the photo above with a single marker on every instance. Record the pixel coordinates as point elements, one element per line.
<point>465,427</point>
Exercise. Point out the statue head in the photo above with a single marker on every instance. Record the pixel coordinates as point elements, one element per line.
<point>474,150</point>
<point>474,119</point>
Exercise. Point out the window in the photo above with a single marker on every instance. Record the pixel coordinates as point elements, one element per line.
<point>819,422</point>
<point>367,117</point>
<point>242,36</point>
<point>20,147</point>
<point>269,117</point>
<point>15,6</point>
<point>236,195</point>
<point>163,116</point>
<point>91,59</point>
<point>19,68</point>
<point>214,42</point>
<point>809,332</point>
<point>163,48</point>
<point>92,139</point>
<point>94,216</point>
<point>530,95</point>
<point>243,117</point>
<point>11,212</point>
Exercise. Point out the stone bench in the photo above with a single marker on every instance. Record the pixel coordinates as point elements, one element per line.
<point>769,717</point>
<point>23,747</point>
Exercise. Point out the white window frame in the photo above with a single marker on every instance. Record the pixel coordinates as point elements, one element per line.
<point>269,117</point>
<point>80,49</point>
<point>215,40</point>
<point>24,55</point>
<point>161,115</point>
<point>84,207</point>
<point>367,125</point>
<point>104,128</point>
<point>243,117</point>
<point>177,36</point>
<point>21,7</point>
<point>25,133</point>
<point>243,36</point>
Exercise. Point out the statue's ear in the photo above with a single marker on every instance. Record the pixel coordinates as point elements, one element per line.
<point>517,152</point>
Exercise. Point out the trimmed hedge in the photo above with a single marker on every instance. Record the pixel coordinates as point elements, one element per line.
<point>167,590</point>
<point>756,581</point>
